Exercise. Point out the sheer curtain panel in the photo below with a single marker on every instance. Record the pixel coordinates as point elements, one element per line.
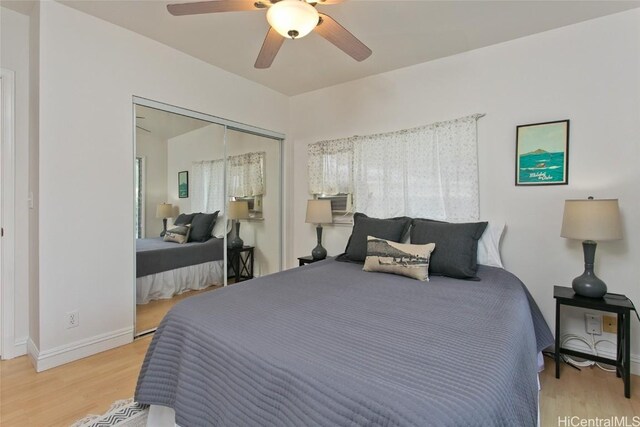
<point>207,188</point>
<point>246,175</point>
<point>429,171</point>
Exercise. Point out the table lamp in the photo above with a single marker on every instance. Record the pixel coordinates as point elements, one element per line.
<point>238,210</point>
<point>164,211</point>
<point>319,212</point>
<point>591,220</point>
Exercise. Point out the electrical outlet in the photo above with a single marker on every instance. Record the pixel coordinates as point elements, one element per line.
<point>610,324</point>
<point>593,323</point>
<point>73,319</point>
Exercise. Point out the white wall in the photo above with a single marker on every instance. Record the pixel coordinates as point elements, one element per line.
<point>86,168</point>
<point>14,55</point>
<point>154,152</point>
<point>206,143</point>
<point>588,73</point>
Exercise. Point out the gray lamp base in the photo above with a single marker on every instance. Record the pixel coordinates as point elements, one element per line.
<point>236,242</point>
<point>588,284</point>
<point>319,252</point>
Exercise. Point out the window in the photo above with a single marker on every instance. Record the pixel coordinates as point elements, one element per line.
<point>429,171</point>
<point>139,201</point>
<point>341,206</point>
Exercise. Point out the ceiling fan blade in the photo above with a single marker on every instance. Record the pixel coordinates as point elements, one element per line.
<point>213,6</point>
<point>269,50</point>
<point>146,130</point>
<point>343,39</point>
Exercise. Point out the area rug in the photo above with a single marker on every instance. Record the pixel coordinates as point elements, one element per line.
<point>123,413</point>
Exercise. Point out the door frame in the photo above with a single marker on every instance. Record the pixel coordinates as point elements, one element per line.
<point>7,216</point>
<point>228,125</point>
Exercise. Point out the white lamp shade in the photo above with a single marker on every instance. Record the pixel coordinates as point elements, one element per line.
<point>293,18</point>
<point>319,212</point>
<point>238,209</point>
<point>591,220</point>
<point>164,210</point>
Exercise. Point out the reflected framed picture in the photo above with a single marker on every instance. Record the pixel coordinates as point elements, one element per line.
<point>542,153</point>
<point>183,184</point>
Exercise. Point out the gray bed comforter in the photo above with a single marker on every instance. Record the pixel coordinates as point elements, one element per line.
<point>155,255</point>
<point>328,344</point>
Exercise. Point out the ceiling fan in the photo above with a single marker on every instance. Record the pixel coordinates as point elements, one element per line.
<point>140,127</point>
<point>288,19</point>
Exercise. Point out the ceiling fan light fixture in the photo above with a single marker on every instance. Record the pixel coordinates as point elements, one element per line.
<point>293,18</point>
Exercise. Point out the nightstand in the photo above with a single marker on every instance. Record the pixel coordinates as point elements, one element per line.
<point>613,303</point>
<point>306,260</point>
<point>240,264</point>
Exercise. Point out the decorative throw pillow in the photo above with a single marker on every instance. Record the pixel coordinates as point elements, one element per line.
<point>389,229</point>
<point>178,234</point>
<point>184,219</point>
<point>398,258</point>
<point>456,246</point>
<point>201,226</point>
<point>219,229</point>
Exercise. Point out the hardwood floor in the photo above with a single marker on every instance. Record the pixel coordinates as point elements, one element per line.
<point>62,395</point>
<point>148,316</point>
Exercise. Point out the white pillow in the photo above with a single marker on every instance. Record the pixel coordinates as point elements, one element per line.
<point>489,245</point>
<point>218,228</point>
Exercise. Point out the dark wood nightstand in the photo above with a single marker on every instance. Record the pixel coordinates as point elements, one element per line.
<point>240,265</point>
<point>613,303</point>
<point>306,260</point>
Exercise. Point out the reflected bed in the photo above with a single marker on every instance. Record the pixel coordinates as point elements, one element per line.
<point>165,269</point>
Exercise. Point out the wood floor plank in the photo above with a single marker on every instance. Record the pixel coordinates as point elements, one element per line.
<point>62,395</point>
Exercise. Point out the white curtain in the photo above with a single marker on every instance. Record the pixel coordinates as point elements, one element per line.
<point>207,188</point>
<point>246,175</point>
<point>430,171</point>
<point>330,167</point>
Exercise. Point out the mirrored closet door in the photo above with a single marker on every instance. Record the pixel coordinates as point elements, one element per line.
<point>207,206</point>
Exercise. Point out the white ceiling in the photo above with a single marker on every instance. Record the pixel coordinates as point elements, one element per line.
<point>400,33</point>
<point>165,125</point>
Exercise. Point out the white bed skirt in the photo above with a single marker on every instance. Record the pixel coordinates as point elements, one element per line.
<point>167,284</point>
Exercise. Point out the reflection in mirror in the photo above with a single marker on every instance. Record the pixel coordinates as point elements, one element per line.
<point>253,179</point>
<point>182,259</point>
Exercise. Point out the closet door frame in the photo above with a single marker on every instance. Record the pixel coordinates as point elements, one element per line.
<point>228,125</point>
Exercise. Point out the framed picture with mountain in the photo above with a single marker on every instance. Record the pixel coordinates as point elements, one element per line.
<point>183,184</point>
<point>542,153</point>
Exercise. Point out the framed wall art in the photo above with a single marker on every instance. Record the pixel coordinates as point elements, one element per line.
<point>542,153</point>
<point>183,184</point>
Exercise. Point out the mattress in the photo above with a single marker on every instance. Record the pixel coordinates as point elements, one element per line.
<point>155,255</point>
<point>329,344</point>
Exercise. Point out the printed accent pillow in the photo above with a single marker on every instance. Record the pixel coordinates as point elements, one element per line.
<point>385,256</point>
<point>178,234</point>
<point>457,246</point>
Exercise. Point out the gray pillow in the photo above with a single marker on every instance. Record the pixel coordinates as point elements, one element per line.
<point>389,229</point>
<point>201,226</point>
<point>456,246</point>
<point>184,219</point>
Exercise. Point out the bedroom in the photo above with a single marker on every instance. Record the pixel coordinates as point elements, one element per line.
<point>590,76</point>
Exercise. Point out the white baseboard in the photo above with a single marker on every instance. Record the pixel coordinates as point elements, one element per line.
<point>47,359</point>
<point>20,346</point>
<point>635,360</point>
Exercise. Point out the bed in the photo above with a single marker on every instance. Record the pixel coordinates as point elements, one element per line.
<point>331,344</point>
<point>165,269</point>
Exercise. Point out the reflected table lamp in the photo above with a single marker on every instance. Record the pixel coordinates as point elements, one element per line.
<point>319,212</point>
<point>238,210</point>
<point>164,211</point>
<point>591,220</point>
